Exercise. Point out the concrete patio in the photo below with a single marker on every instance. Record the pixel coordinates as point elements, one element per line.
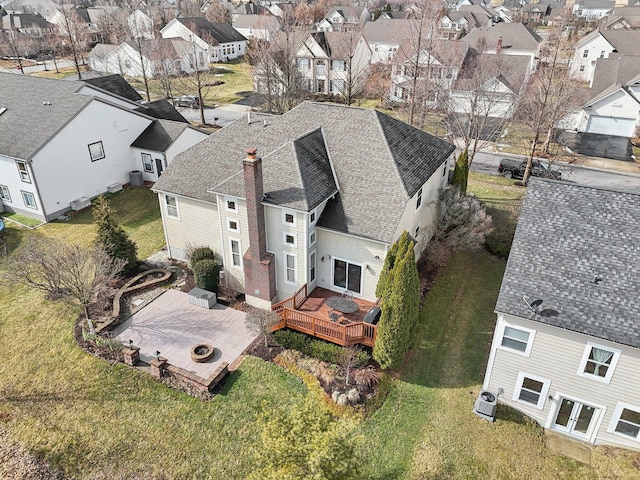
<point>173,326</point>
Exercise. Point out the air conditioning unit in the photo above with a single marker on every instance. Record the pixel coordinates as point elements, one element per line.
<point>80,203</point>
<point>486,405</point>
<point>114,187</point>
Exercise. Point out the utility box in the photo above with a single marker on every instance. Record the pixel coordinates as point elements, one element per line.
<point>114,187</point>
<point>80,203</point>
<point>202,298</point>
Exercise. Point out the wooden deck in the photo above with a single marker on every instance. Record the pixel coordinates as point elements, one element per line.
<point>309,313</point>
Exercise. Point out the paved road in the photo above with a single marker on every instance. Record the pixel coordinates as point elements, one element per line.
<point>40,67</point>
<point>488,163</point>
<point>225,114</point>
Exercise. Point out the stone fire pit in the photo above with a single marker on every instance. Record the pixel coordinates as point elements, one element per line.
<point>202,352</point>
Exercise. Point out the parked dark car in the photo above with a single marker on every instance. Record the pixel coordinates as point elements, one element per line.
<point>514,168</point>
<point>190,101</point>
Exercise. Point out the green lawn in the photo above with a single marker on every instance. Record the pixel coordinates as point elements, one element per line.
<point>101,421</point>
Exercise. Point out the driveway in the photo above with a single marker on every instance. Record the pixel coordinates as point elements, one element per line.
<point>172,326</point>
<point>593,145</point>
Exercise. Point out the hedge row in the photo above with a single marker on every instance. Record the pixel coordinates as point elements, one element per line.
<point>319,349</point>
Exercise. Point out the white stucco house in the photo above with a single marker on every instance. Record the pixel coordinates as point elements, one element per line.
<point>566,346</point>
<point>319,198</point>
<point>221,41</point>
<point>65,142</point>
<point>601,44</point>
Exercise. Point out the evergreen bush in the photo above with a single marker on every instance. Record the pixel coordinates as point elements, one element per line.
<point>206,274</point>
<point>111,237</point>
<point>201,253</point>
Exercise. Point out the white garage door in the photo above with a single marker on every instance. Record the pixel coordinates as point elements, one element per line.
<point>621,127</point>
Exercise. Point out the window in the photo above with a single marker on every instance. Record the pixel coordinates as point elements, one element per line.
<point>347,276</point>
<point>531,389</point>
<point>96,151</point>
<point>598,362</point>
<point>602,53</point>
<point>304,63</point>
<point>337,65</point>
<point>24,172</point>
<point>312,266</point>
<point>290,268</point>
<point>582,68</point>
<point>4,193</point>
<point>419,199</point>
<point>518,339</point>
<point>147,163</point>
<point>127,63</point>
<point>289,239</point>
<point>415,235</point>
<point>312,217</point>
<point>312,238</point>
<point>29,200</point>
<point>585,53</point>
<point>625,421</point>
<point>235,253</point>
<point>233,225</point>
<point>172,206</point>
<point>288,218</point>
<point>376,47</point>
<point>336,86</point>
<point>231,204</point>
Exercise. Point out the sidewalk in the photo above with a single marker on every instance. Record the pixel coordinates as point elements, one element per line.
<point>607,164</point>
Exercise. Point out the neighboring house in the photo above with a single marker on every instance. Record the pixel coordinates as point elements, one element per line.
<point>79,143</point>
<point>140,25</point>
<point>27,23</point>
<point>262,27</point>
<point>503,78</point>
<point>622,18</point>
<point>329,61</point>
<point>162,56</point>
<point>456,4</point>
<point>95,20</point>
<point>334,188</point>
<point>344,18</point>
<point>592,10</point>
<point>506,39</point>
<point>600,44</point>
<point>220,40</point>
<point>437,70</point>
<point>616,109</point>
<point>505,13</point>
<point>457,23</point>
<point>384,37</point>
<point>157,146</point>
<point>565,349</point>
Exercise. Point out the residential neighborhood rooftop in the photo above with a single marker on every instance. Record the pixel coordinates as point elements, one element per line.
<point>576,248</point>
<point>115,84</point>
<point>377,164</point>
<point>515,36</point>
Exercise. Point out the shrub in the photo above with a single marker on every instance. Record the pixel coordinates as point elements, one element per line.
<point>206,274</point>
<point>319,349</point>
<point>111,237</point>
<point>201,253</point>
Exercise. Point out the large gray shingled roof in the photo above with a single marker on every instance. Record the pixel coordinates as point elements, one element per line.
<point>566,236</point>
<point>374,162</point>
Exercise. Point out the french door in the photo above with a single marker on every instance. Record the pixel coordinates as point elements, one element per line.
<point>347,276</point>
<point>575,418</point>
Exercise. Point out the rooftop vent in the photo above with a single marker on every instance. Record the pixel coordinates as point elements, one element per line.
<point>2,110</point>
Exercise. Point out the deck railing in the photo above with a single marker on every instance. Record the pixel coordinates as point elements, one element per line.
<point>344,335</point>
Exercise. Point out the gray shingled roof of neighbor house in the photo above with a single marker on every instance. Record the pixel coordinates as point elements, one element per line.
<point>37,108</point>
<point>159,135</point>
<point>378,162</point>
<point>515,36</point>
<point>568,235</point>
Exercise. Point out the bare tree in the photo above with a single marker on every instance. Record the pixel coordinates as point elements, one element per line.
<point>348,359</point>
<point>549,97</point>
<point>55,47</point>
<point>217,12</point>
<point>17,45</point>
<point>74,34</point>
<point>378,82</point>
<point>62,270</point>
<point>484,94</point>
<point>352,79</point>
<point>261,322</point>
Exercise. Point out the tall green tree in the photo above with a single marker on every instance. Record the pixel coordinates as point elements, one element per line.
<point>400,306</point>
<point>461,172</point>
<point>110,236</point>
<point>306,443</point>
<point>396,251</point>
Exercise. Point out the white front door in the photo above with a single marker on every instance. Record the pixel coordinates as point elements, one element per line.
<point>575,418</point>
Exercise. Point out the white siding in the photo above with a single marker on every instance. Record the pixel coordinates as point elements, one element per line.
<point>234,275</point>
<point>594,47</point>
<point>63,168</point>
<point>197,225</point>
<point>426,215</point>
<point>353,249</point>
<point>187,139</point>
<point>10,178</point>
<point>556,355</point>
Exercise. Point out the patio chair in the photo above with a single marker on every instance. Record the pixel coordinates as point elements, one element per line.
<point>333,315</point>
<point>347,294</point>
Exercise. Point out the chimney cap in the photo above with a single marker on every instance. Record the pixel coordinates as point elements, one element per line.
<point>252,151</point>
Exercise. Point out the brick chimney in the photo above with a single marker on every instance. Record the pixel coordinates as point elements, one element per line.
<point>259,265</point>
<point>499,46</point>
